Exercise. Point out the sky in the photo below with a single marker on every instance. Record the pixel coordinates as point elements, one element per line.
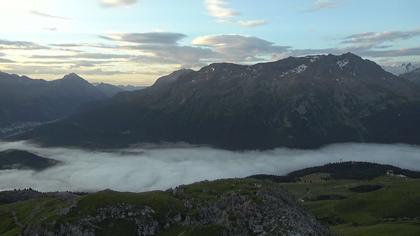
<point>136,41</point>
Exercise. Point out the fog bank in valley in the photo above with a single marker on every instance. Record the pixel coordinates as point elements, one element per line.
<point>161,167</point>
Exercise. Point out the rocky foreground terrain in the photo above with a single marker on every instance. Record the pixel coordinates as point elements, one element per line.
<point>223,207</point>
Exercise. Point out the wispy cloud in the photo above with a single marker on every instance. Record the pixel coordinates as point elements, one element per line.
<point>42,14</point>
<point>117,3</point>
<point>320,5</point>
<point>252,23</point>
<point>5,61</point>
<point>50,28</point>
<point>164,38</point>
<point>22,45</point>
<point>83,56</point>
<point>377,38</point>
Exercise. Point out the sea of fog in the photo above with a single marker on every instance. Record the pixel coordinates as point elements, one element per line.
<point>145,168</point>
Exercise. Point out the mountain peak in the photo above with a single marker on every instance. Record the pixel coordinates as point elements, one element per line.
<point>174,76</point>
<point>351,56</point>
<point>72,76</point>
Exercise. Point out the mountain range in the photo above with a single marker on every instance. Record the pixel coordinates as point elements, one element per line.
<point>26,102</point>
<point>298,102</point>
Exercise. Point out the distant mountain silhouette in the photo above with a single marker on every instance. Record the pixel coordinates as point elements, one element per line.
<point>109,89</point>
<point>413,76</point>
<point>299,102</point>
<point>24,100</point>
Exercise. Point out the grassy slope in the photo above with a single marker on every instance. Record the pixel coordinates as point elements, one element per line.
<point>47,209</point>
<point>392,210</point>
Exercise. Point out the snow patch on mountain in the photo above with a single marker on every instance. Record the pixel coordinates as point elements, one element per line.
<point>342,63</point>
<point>313,58</point>
<point>299,69</point>
<point>296,70</point>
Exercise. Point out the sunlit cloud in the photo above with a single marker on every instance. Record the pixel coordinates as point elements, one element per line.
<point>222,12</point>
<point>240,48</point>
<point>220,9</point>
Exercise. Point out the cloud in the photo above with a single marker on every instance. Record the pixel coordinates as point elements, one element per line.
<point>361,51</point>
<point>117,3</point>
<point>369,44</point>
<point>320,5</point>
<point>50,69</point>
<point>50,28</point>
<point>168,51</point>
<point>147,38</point>
<point>146,168</point>
<point>162,48</point>
<point>252,23</point>
<point>6,61</point>
<point>186,56</point>
<point>23,45</point>
<point>83,56</point>
<point>219,9</point>
<point>370,39</point>
<point>402,52</point>
<point>240,48</point>
<point>42,14</point>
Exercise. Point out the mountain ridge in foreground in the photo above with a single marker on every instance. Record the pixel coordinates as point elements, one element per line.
<point>298,102</point>
<point>222,207</point>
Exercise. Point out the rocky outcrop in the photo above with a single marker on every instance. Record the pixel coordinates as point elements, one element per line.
<point>223,207</point>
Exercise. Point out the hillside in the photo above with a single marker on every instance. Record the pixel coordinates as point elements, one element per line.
<point>223,207</point>
<point>383,204</point>
<point>353,170</point>
<point>17,159</point>
<point>299,102</point>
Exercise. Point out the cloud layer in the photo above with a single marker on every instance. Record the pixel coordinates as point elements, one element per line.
<point>164,52</point>
<point>161,167</point>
